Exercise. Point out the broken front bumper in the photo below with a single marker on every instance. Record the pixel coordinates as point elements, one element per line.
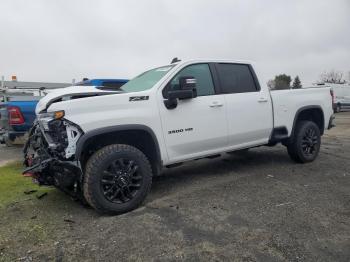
<point>49,154</point>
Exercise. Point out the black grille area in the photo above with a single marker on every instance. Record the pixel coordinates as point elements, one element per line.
<point>58,134</point>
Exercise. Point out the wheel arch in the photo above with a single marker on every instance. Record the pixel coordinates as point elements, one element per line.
<point>312,113</point>
<point>130,134</point>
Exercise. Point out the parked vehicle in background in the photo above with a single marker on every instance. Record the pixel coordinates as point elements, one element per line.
<point>341,96</point>
<point>105,146</point>
<point>106,83</point>
<point>18,113</point>
<point>17,118</point>
<point>18,100</point>
<point>3,122</point>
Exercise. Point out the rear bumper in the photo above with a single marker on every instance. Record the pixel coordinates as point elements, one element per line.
<point>331,122</point>
<point>12,135</point>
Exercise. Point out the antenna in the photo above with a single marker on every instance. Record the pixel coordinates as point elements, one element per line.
<point>175,60</point>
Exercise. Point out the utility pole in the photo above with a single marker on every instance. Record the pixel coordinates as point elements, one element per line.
<point>2,89</point>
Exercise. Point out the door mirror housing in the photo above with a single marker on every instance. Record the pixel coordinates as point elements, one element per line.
<point>187,91</point>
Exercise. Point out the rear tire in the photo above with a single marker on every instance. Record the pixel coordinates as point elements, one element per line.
<point>306,141</point>
<point>117,179</point>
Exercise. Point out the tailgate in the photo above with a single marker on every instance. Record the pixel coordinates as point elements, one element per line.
<point>27,109</point>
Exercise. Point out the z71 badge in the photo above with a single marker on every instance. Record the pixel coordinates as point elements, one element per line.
<point>138,98</point>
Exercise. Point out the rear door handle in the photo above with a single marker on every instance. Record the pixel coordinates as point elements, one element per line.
<point>216,104</point>
<point>262,100</point>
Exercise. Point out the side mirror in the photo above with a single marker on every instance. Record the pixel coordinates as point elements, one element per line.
<point>187,91</point>
<point>187,83</point>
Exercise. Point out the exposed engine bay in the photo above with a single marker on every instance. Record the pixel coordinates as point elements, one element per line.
<point>49,153</point>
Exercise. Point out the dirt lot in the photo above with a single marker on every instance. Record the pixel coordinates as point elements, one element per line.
<point>259,206</point>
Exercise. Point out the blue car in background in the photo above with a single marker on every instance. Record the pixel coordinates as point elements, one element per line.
<point>17,117</point>
<point>107,83</point>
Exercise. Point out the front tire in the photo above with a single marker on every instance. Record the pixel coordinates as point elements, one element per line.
<point>117,179</point>
<point>306,142</point>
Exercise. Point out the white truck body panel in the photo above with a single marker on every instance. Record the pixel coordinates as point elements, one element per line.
<point>208,128</point>
<point>248,117</point>
<point>286,104</point>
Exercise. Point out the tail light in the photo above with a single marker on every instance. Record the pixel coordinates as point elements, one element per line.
<point>15,116</point>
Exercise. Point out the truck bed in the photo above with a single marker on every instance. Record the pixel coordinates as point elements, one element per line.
<point>287,103</point>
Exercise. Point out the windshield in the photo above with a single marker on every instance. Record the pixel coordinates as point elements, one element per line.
<point>146,80</point>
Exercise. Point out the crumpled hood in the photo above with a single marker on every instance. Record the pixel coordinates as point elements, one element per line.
<point>71,92</point>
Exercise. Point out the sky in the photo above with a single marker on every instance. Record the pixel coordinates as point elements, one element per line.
<point>58,40</point>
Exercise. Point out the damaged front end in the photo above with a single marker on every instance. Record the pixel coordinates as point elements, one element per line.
<point>49,153</point>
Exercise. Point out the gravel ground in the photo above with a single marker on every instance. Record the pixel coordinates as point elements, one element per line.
<point>257,206</point>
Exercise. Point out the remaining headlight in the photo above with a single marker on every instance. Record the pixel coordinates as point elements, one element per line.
<point>45,118</point>
<point>52,115</point>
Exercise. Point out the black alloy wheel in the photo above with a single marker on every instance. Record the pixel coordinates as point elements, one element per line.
<point>309,142</point>
<point>120,181</point>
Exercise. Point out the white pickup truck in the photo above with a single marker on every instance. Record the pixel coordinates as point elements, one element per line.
<point>105,145</point>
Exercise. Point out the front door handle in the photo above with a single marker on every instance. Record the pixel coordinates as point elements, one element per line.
<point>262,100</point>
<point>216,104</point>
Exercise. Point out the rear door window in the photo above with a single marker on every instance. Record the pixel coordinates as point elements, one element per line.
<point>236,78</point>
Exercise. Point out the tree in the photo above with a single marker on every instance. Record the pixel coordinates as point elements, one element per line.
<point>282,81</point>
<point>334,77</point>
<point>296,83</point>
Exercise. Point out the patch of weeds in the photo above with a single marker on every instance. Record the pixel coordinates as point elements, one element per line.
<point>13,185</point>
